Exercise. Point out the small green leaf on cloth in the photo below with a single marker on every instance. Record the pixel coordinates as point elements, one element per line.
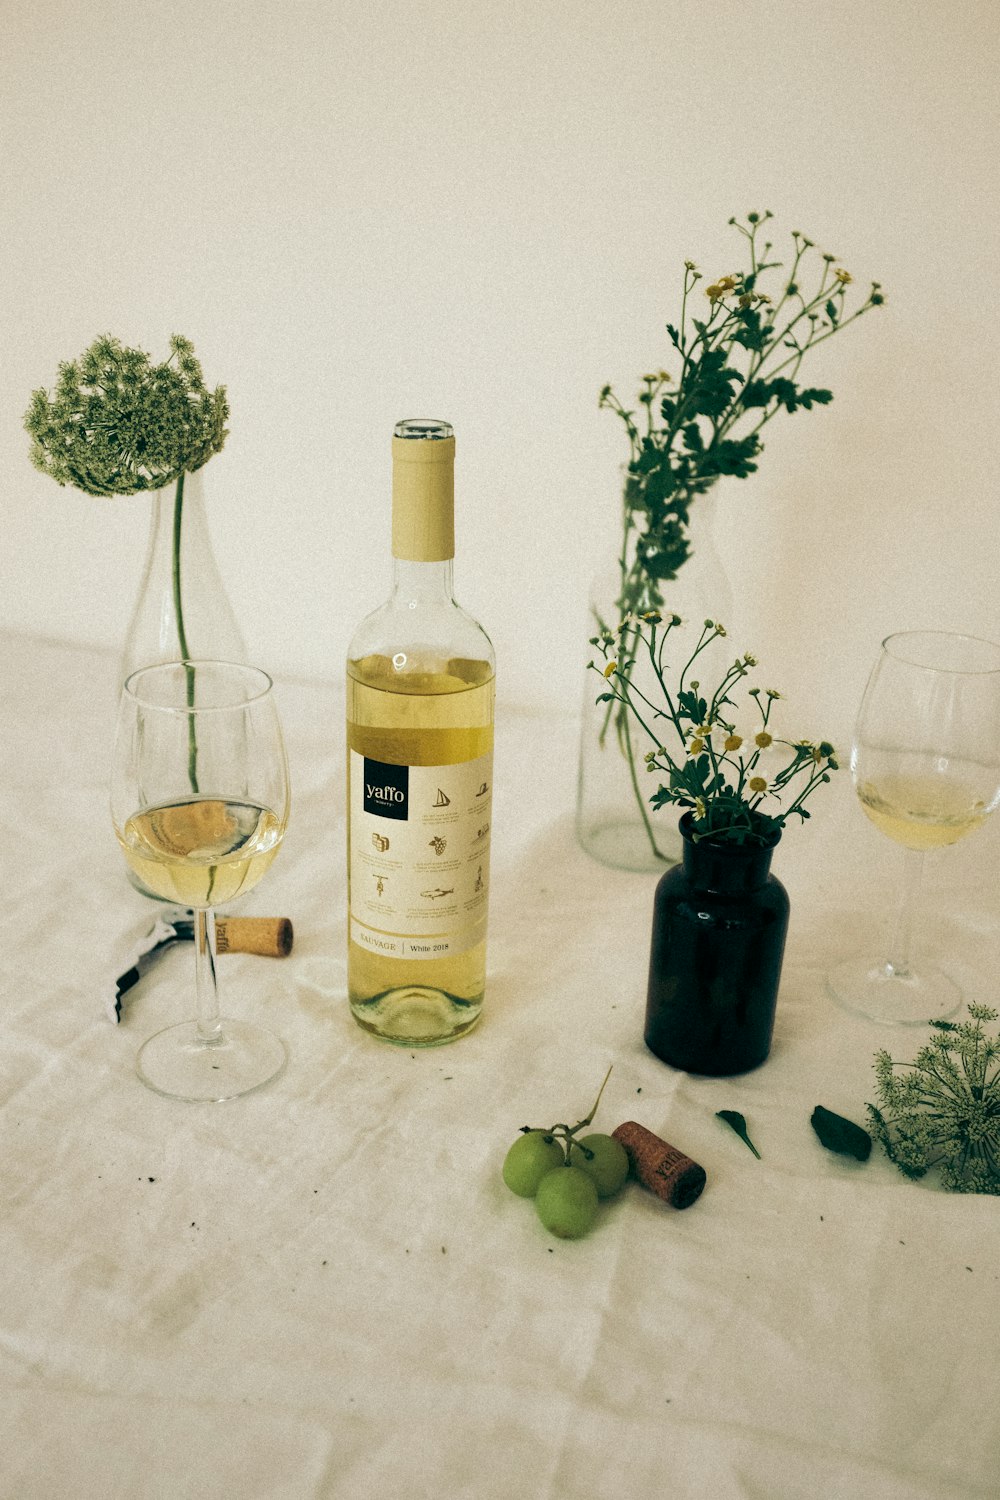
<point>840,1135</point>
<point>736,1122</point>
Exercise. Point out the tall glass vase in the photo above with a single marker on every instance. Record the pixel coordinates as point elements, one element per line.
<point>614,822</point>
<point>181,611</point>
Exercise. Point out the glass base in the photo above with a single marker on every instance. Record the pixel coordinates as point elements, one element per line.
<point>896,997</point>
<point>415,1016</point>
<point>177,1063</point>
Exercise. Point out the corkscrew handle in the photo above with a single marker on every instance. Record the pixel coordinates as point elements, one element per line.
<point>270,936</point>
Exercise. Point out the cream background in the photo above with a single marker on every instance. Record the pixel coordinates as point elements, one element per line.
<point>479,212</point>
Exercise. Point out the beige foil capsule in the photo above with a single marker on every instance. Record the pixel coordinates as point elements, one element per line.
<point>659,1166</point>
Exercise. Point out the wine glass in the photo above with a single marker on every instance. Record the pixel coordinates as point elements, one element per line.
<point>199,801</point>
<point>926,766</point>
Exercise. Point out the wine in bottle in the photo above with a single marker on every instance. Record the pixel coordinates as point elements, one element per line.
<point>420,687</point>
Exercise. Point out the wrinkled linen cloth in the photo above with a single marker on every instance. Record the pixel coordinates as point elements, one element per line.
<point>325,1290</point>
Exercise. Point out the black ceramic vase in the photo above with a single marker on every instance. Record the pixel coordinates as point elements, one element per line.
<point>719,924</point>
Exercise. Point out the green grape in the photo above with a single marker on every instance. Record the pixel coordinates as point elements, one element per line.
<point>566,1202</point>
<point>532,1155</point>
<point>607,1165</point>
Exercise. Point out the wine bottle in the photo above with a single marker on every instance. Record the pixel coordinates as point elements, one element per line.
<point>420,692</point>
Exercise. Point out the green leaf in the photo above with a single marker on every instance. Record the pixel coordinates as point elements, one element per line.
<point>753,334</point>
<point>695,708</point>
<point>840,1135</point>
<point>814,396</point>
<point>736,1122</point>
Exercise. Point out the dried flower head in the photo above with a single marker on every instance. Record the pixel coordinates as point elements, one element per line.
<point>943,1109</point>
<point>117,423</point>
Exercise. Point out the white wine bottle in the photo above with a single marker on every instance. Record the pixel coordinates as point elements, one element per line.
<point>420,686</point>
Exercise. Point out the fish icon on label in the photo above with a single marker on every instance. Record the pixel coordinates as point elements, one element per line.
<point>437,894</point>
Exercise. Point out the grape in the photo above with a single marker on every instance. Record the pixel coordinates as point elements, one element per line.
<point>532,1155</point>
<point>608,1166</point>
<point>566,1202</point>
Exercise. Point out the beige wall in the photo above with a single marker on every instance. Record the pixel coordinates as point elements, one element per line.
<point>479,211</point>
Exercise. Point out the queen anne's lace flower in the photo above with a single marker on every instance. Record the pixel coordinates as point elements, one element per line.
<point>943,1109</point>
<point>117,424</point>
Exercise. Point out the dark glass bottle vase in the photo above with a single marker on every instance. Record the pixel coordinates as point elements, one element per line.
<point>719,924</point>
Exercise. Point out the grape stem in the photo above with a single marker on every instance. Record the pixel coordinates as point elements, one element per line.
<point>564,1133</point>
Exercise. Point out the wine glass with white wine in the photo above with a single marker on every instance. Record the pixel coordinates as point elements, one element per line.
<point>926,766</point>
<point>199,801</point>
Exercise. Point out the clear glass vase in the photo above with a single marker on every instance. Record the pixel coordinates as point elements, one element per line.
<point>614,822</point>
<point>181,611</point>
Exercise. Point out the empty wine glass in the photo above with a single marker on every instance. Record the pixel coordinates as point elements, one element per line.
<point>926,766</point>
<point>199,801</point>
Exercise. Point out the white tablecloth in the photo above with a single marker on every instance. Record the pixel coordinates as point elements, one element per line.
<point>325,1290</point>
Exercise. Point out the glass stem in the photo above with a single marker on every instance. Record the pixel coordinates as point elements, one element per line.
<point>206,984</point>
<point>899,951</point>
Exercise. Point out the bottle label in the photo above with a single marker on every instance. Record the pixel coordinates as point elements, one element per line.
<point>420,856</point>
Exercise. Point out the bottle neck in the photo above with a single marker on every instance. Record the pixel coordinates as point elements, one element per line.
<point>422,583</point>
<point>423,491</point>
<point>723,868</point>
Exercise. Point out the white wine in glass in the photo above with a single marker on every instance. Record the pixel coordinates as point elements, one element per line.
<point>200,802</point>
<point>926,766</point>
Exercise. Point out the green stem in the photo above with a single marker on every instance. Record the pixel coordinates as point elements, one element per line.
<point>639,799</point>
<point>189,671</point>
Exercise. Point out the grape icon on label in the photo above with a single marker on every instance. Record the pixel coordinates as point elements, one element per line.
<point>438,844</point>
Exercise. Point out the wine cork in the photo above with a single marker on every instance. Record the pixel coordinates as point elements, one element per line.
<point>659,1166</point>
<point>271,936</point>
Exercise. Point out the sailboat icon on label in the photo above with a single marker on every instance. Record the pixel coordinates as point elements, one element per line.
<point>441,800</point>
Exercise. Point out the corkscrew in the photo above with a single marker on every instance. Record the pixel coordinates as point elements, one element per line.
<point>271,936</point>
